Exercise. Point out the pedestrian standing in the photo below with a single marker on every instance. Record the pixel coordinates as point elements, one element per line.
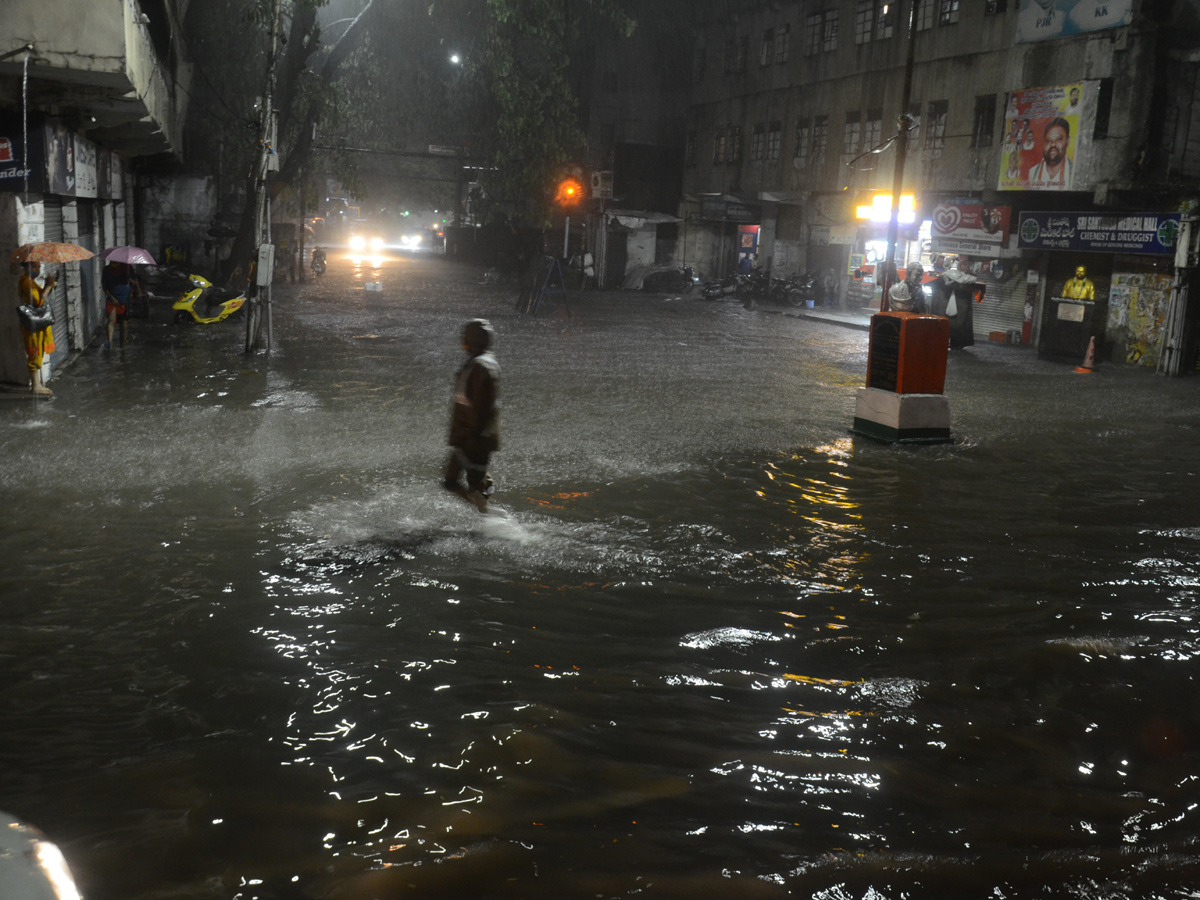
<point>475,420</point>
<point>115,281</point>
<point>37,343</point>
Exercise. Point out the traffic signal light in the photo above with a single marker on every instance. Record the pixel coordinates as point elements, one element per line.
<point>569,192</point>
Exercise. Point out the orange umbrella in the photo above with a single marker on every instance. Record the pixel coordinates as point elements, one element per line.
<point>51,252</point>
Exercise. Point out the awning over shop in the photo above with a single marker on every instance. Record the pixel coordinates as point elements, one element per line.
<point>638,218</point>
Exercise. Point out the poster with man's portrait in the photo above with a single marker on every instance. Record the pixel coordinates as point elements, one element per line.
<point>1043,138</point>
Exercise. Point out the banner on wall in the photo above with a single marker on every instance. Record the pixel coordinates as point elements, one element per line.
<point>1092,232</point>
<point>1044,147</point>
<point>14,167</point>
<point>1043,20</point>
<point>972,229</point>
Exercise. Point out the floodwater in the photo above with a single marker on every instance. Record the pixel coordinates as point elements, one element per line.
<point>709,644</point>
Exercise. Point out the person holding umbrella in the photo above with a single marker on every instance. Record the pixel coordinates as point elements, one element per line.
<point>37,343</point>
<point>40,342</point>
<point>117,285</point>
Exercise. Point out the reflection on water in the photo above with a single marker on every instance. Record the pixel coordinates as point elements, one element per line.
<point>703,650</point>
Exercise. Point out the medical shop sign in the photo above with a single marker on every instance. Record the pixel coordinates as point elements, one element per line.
<point>1152,233</point>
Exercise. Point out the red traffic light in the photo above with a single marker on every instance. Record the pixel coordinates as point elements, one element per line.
<point>569,193</point>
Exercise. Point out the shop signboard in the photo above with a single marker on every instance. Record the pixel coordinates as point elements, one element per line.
<point>721,210</point>
<point>1151,233</point>
<point>1043,20</point>
<point>970,228</point>
<point>1046,143</point>
<point>18,171</point>
<point>85,167</point>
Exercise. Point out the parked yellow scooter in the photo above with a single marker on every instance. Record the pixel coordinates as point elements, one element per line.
<point>216,305</point>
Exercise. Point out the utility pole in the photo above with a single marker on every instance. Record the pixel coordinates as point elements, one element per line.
<point>268,162</point>
<point>904,122</point>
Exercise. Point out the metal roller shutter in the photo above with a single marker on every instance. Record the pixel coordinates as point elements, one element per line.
<point>1003,306</point>
<point>58,299</point>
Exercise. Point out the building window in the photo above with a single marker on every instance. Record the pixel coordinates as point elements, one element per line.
<point>821,32</point>
<point>829,37</point>
<point>721,145</point>
<point>885,21</point>
<point>925,15</point>
<point>689,149</point>
<point>758,141</point>
<point>812,33</point>
<point>851,135</point>
<point>935,126</point>
<point>948,14</point>
<point>767,56</point>
<point>803,144</point>
<point>735,145</point>
<point>873,129</point>
<point>864,21</point>
<point>783,43</point>
<point>774,141</point>
<point>820,139</point>
<point>993,7</point>
<point>699,63</point>
<point>735,54</point>
<point>985,120</point>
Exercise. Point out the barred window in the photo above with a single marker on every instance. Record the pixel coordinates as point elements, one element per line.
<point>721,145</point>
<point>829,39</point>
<point>783,42</point>
<point>767,56</point>
<point>949,12</point>
<point>885,21</point>
<point>812,33</point>
<point>774,141</point>
<point>935,126</point>
<point>864,21</point>
<point>803,144</point>
<point>925,15</point>
<point>984,124</point>
<point>758,141</point>
<point>735,145</point>
<point>735,54</point>
<point>820,139</point>
<point>873,129</point>
<point>851,135</point>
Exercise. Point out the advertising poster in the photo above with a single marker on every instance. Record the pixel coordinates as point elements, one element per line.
<point>1041,146</point>
<point>971,229</point>
<point>1043,20</point>
<point>85,167</point>
<point>60,159</point>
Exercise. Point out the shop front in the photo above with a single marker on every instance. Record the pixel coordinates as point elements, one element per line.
<point>1109,278</point>
<point>61,187</point>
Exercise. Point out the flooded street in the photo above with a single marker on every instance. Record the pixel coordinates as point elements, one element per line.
<point>709,644</point>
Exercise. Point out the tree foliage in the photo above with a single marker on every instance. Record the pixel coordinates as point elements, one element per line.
<point>525,59</point>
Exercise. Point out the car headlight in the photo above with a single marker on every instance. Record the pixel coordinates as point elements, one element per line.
<point>358,242</point>
<point>376,243</point>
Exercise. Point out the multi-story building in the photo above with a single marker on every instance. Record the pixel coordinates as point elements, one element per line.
<point>85,90</point>
<point>1042,135</point>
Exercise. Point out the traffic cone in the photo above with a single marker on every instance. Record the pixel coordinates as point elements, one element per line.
<point>1089,360</point>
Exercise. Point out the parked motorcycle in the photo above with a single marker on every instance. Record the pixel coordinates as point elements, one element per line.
<point>717,290</point>
<point>318,261</point>
<point>206,306</point>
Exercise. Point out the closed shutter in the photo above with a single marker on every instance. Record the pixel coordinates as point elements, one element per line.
<point>94,316</point>
<point>1003,306</point>
<point>58,298</point>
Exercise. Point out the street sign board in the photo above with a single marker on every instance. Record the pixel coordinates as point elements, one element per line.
<point>1099,232</point>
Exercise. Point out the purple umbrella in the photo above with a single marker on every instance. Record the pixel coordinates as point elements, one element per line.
<point>134,256</point>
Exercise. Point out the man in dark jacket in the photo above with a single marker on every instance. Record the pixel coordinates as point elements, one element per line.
<point>475,421</point>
